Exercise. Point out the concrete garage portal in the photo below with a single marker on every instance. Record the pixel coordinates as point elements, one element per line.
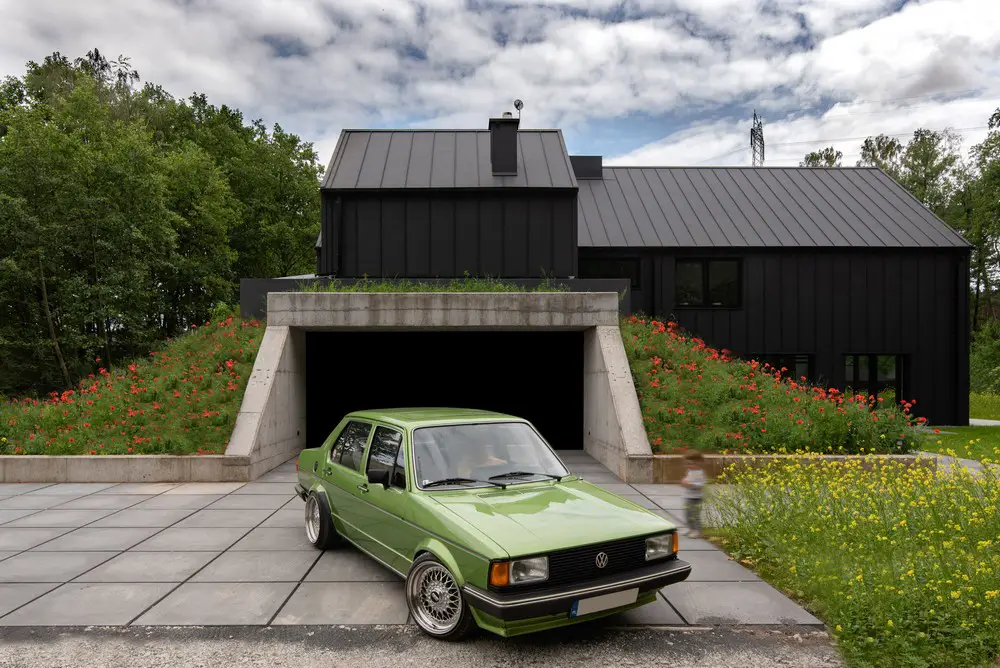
<point>534,375</point>
<point>555,358</point>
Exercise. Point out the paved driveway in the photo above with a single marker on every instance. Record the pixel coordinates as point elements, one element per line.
<point>222,554</point>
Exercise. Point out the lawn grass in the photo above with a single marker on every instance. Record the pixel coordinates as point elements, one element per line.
<point>967,442</point>
<point>900,563</point>
<point>180,399</point>
<point>984,406</point>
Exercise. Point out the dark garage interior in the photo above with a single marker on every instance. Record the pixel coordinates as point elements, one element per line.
<point>534,375</point>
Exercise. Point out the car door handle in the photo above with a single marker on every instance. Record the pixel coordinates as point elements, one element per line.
<point>327,471</point>
<point>363,488</point>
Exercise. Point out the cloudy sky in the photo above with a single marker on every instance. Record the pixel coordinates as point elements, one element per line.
<point>664,82</point>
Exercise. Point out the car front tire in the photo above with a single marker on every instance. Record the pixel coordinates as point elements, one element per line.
<point>435,600</point>
<point>319,523</point>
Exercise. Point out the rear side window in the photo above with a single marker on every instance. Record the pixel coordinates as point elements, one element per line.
<point>386,454</point>
<point>350,445</point>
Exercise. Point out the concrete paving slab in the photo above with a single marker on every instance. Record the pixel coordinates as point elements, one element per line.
<point>659,489</point>
<point>97,540</point>
<point>205,488</point>
<point>191,540</point>
<point>275,538</point>
<point>24,539</point>
<point>143,488</point>
<point>11,515</point>
<point>258,566</point>
<point>137,517</point>
<point>33,502</point>
<point>60,518</point>
<point>289,517</point>
<point>4,555</point>
<point>14,488</point>
<point>695,545</point>
<point>218,604</point>
<point>103,502</point>
<point>658,613</point>
<point>676,516</point>
<point>88,605</point>
<point>716,566</point>
<point>72,488</point>
<point>346,603</point>
<point>179,502</point>
<point>14,595</point>
<point>249,502</point>
<point>346,564</point>
<point>50,566</point>
<point>734,603</point>
<point>149,567</point>
<point>276,488</point>
<point>287,477</point>
<point>225,518</point>
<point>669,502</point>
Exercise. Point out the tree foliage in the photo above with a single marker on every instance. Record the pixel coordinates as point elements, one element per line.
<point>828,157</point>
<point>128,215</point>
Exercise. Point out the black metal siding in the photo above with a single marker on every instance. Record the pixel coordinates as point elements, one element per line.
<point>446,234</point>
<point>828,303</point>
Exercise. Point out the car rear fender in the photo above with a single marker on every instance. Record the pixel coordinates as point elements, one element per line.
<point>443,553</point>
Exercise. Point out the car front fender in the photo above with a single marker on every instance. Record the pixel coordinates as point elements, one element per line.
<point>446,555</point>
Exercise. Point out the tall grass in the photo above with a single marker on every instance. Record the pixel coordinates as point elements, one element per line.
<point>903,564</point>
<point>467,284</point>
<point>984,406</point>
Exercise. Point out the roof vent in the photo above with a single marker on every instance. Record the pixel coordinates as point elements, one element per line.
<point>503,144</point>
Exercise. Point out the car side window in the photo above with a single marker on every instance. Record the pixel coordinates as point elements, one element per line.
<point>398,477</point>
<point>385,454</point>
<point>350,445</point>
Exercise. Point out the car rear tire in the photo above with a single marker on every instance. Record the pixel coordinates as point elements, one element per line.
<point>319,522</point>
<point>435,600</point>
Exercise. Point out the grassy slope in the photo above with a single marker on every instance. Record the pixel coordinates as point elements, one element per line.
<point>966,442</point>
<point>181,399</point>
<point>984,406</point>
<point>695,397</point>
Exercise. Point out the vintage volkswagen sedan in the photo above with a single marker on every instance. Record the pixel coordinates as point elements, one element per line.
<point>484,522</point>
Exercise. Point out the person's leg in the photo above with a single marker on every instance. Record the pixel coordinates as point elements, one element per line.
<point>694,517</point>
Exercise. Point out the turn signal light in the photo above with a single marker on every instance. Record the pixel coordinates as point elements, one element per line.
<point>677,542</point>
<point>500,574</point>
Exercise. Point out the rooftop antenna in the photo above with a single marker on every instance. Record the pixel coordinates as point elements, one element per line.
<point>519,106</point>
<point>757,140</point>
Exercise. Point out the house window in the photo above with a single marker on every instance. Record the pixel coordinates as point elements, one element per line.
<point>872,375</point>
<point>612,268</point>
<point>711,283</point>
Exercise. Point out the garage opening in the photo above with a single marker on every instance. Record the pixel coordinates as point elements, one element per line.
<point>534,375</point>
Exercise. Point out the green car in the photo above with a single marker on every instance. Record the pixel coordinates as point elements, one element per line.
<point>482,519</point>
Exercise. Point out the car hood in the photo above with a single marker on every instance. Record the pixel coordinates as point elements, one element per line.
<point>533,518</point>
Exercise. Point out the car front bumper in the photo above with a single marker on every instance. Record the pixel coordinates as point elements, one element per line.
<point>513,606</point>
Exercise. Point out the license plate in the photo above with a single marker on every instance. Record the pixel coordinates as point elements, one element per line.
<point>585,606</point>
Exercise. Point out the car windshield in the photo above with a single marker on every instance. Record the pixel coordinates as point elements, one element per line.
<point>507,452</point>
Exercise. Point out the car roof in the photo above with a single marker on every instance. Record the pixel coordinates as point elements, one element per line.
<point>411,418</point>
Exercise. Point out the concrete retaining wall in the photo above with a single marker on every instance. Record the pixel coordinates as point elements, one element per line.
<point>124,468</point>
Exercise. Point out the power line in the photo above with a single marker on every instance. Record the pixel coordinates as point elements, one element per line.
<point>900,134</point>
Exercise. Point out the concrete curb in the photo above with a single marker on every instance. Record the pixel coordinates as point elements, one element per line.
<point>124,468</point>
<point>670,469</point>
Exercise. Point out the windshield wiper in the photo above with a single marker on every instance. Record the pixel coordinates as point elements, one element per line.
<point>458,481</point>
<point>521,474</point>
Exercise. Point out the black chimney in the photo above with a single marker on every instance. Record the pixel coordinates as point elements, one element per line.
<point>503,144</point>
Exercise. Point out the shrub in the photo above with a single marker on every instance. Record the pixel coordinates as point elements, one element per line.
<point>901,563</point>
<point>182,399</point>
<point>694,396</point>
<point>984,359</point>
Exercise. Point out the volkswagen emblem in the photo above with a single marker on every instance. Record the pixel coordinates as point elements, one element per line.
<point>601,560</point>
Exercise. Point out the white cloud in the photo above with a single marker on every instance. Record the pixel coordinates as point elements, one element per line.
<point>701,65</point>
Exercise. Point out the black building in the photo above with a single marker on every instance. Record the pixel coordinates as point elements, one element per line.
<point>836,273</point>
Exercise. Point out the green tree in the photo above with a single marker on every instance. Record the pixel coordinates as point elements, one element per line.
<point>883,152</point>
<point>827,157</point>
<point>929,166</point>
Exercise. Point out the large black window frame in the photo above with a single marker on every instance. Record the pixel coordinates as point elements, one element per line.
<point>609,267</point>
<point>872,373</point>
<point>708,283</point>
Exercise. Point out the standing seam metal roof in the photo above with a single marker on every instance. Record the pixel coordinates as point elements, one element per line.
<point>755,207</point>
<point>405,159</point>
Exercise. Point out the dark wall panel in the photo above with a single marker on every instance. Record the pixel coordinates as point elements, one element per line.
<point>421,235</point>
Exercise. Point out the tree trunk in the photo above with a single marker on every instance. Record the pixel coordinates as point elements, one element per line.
<point>52,325</point>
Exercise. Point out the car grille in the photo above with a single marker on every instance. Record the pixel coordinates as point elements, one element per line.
<point>579,564</point>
